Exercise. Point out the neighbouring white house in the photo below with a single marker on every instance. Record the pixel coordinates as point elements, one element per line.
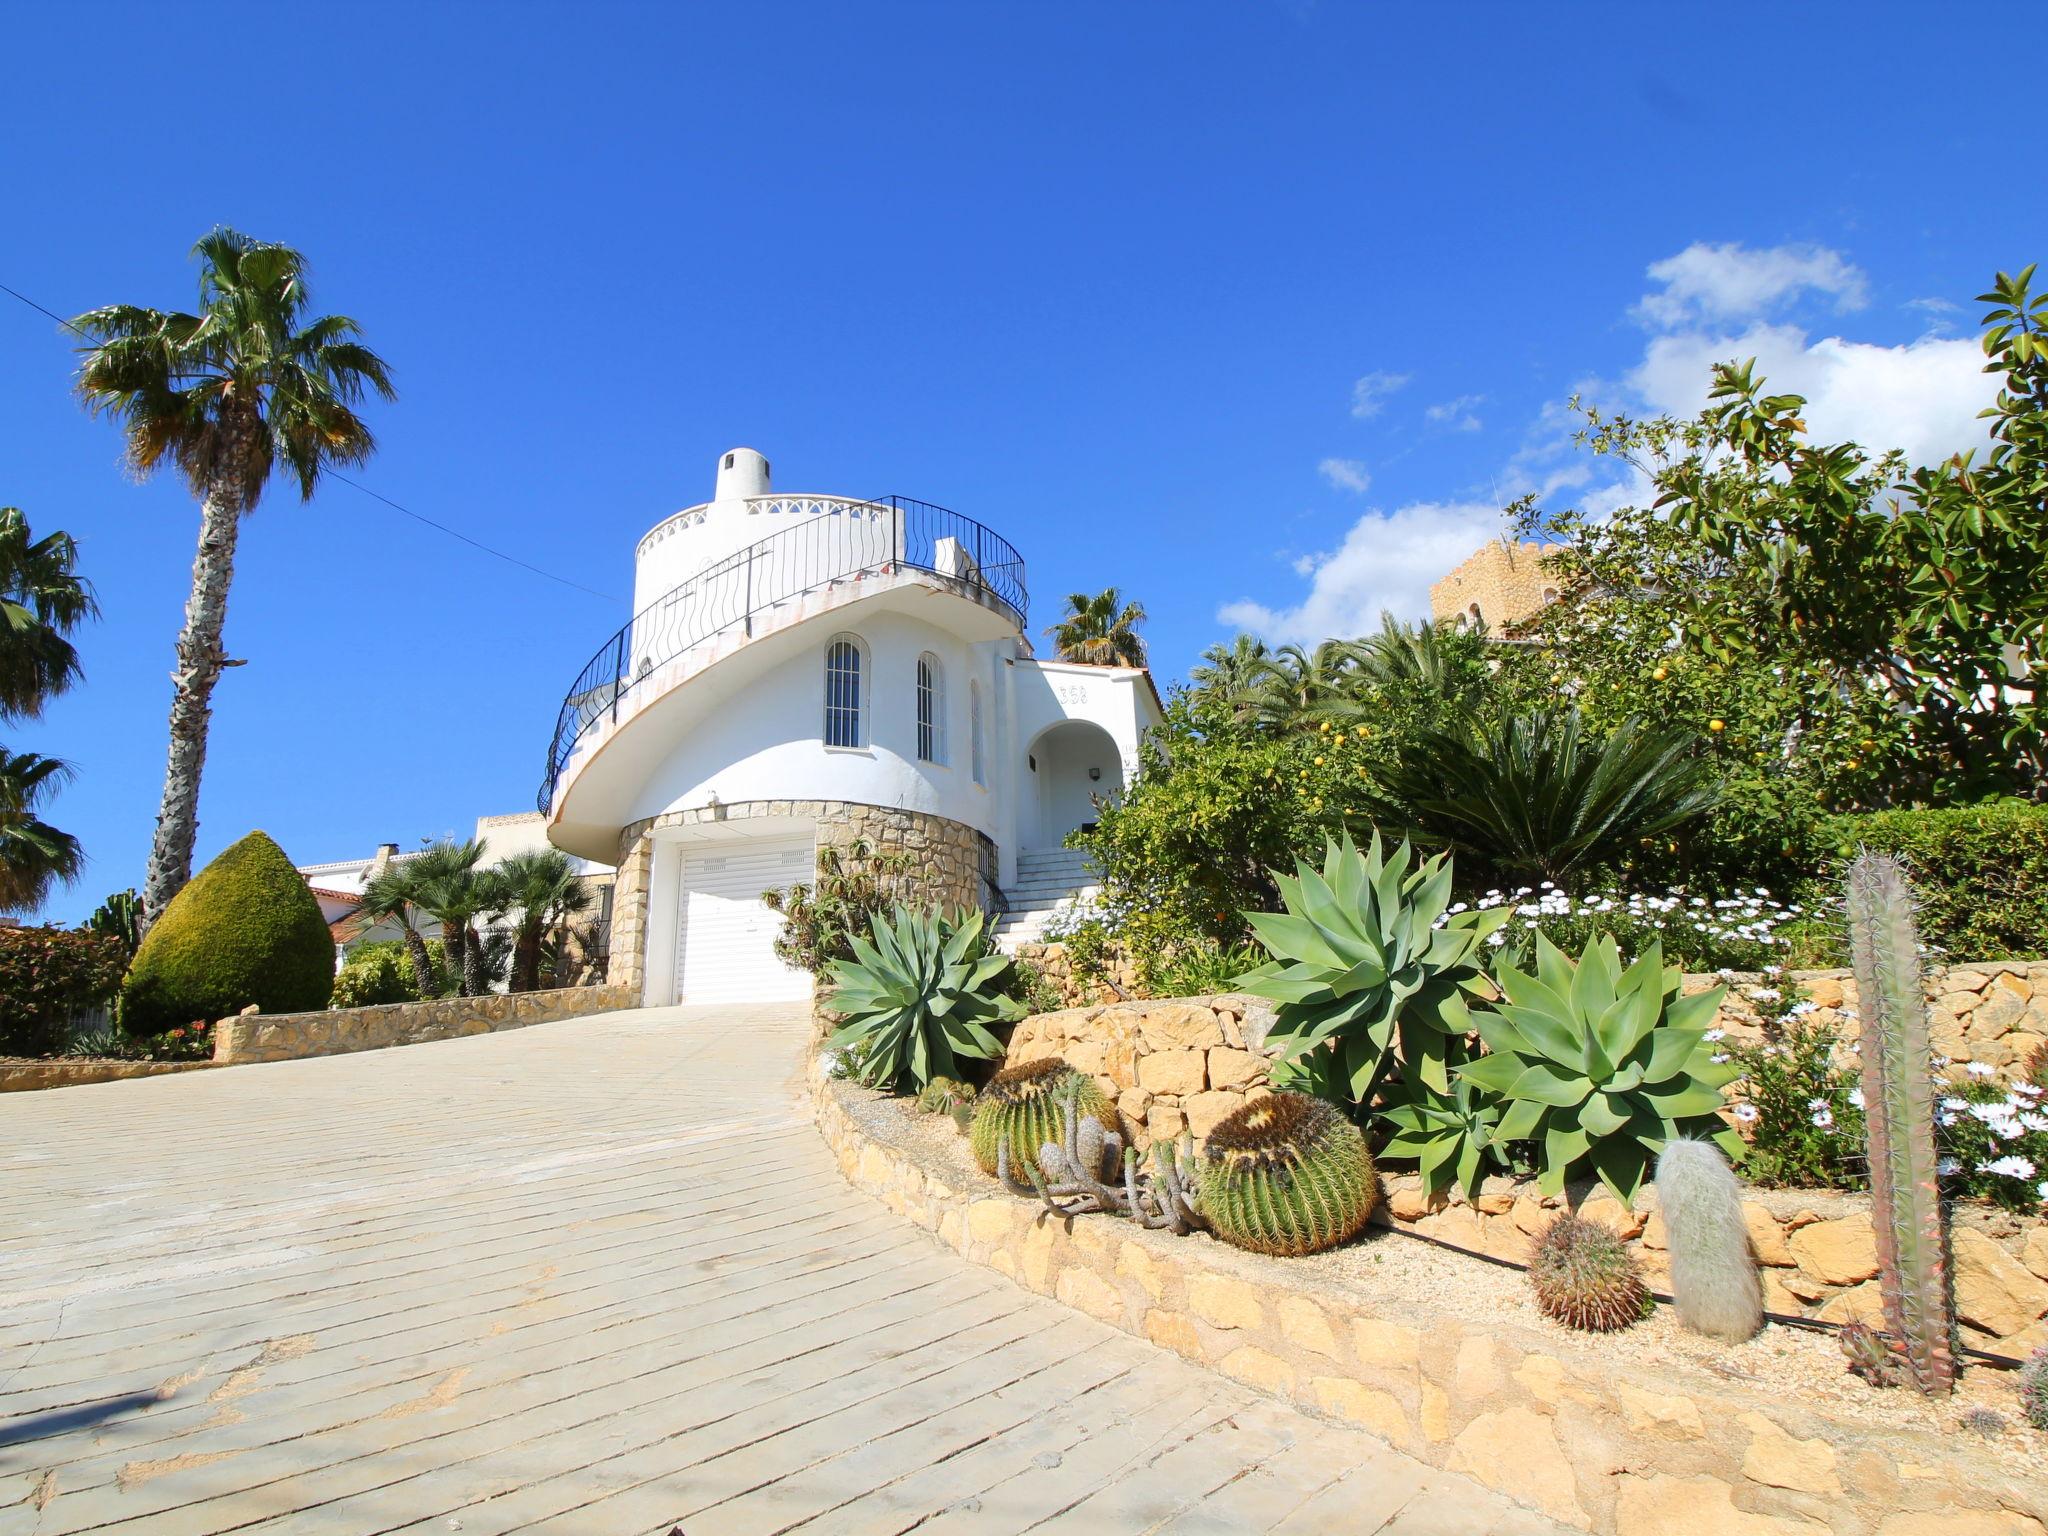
<point>811,670</point>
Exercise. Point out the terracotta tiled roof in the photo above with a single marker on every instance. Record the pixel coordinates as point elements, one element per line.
<point>353,898</point>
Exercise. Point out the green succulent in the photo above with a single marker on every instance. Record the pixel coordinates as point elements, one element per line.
<point>1023,1106</point>
<point>1603,1066</point>
<point>1287,1175</point>
<point>1452,1136</point>
<point>1368,960</point>
<point>918,998</point>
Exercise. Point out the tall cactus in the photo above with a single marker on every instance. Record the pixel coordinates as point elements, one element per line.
<point>1898,1108</point>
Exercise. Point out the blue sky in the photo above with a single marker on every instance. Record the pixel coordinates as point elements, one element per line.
<point>1258,311</point>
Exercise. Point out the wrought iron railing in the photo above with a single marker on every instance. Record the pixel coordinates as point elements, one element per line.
<point>832,542</point>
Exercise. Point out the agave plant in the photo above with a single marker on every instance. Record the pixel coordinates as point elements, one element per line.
<point>1452,1136</point>
<point>1368,958</point>
<point>1603,1065</point>
<point>918,998</point>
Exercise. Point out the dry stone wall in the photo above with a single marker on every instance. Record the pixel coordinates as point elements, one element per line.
<point>952,864</point>
<point>1597,1438</point>
<point>339,1031</point>
<point>1177,1065</point>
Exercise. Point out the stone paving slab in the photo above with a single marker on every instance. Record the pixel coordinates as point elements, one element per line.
<point>597,1276</point>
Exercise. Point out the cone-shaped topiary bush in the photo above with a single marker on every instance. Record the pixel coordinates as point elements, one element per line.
<point>1585,1279</point>
<point>244,930</point>
<point>1287,1174</point>
<point>1023,1104</point>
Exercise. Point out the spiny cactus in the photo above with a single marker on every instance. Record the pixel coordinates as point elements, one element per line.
<point>1872,1355</point>
<point>1713,1273</point>
<point>2034,1389</point>
<point>1585,1279</point>
<point>944,1095</point>
<point>1898,1113</point>
<point>1021,1105</point>
<point>1077,1174</point>
<point>1988,1422</point>
<point>1287,1174</point>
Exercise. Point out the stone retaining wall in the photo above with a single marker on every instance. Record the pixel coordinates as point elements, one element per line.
<point>1183,1064</point>
<point>339,1031</point>
<point>1078,991</point>
<point>1993,1011</point>
<point>29,1076</point>
<point>952,864</point>
<point>1588,1436</point>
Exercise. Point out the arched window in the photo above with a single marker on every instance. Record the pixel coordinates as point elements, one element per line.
<point>846,722</point>
<point>974,732</point>
<point>931,710</point>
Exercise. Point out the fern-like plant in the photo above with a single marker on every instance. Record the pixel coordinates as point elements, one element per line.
<point>917,997</point>
<point>1368,960</point>
<point>1602,1066</point>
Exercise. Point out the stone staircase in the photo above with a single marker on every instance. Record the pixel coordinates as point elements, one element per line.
<point>1049,881</point>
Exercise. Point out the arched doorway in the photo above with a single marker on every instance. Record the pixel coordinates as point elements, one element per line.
<point>1070,765</point>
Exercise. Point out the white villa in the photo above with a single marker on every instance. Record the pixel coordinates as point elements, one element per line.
<point>809,670</point>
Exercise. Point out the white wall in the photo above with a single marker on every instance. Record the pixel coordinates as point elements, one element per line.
<point>757,733</point>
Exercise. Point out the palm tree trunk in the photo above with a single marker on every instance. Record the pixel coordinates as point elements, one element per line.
<point>455,955</point>
<point>526,957</point>
<point>473,980</point>
<point>200,658</point>
<point>423,975</point>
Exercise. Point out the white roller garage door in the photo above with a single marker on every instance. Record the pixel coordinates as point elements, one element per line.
<point>726,935</point>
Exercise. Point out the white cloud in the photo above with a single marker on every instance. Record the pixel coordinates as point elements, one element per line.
<point>1922,397</point>
<point>1456,414</point>
<point>1369,394</point>
<point>1709,283</point>
<point>1346,475</point>
<point>1387,561</point>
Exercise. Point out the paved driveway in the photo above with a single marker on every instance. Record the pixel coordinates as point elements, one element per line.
<point>597,1276</point>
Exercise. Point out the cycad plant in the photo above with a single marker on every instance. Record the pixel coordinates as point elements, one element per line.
<point>918,996</point>
<point>1536,796</point>
<point>1603,1066</point>
<point>1367,960</point>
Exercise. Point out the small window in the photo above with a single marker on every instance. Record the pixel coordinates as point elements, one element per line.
<point>931,710</point>
<point>728,460</point>
<point>974,733</point>
<point>845,704</point>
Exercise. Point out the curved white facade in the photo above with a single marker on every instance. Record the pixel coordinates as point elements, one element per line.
<point>717,693</point>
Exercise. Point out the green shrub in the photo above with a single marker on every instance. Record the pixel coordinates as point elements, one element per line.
<point>47,975</point>
<point>1981,872</point>
<point>380,972</point>
<point>244,930</point>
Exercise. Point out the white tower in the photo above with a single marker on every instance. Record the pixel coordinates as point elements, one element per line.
<point>741,473</point>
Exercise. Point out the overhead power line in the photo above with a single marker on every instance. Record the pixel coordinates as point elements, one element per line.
<point>356,485</point>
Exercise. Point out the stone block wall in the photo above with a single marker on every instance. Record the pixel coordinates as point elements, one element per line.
<point>1171,1065</point>
<point>1077,991</point>
<point>339,1031</point>
<point>1600,1439</point>
<point>1993,1011</point>
<point>954,864</point>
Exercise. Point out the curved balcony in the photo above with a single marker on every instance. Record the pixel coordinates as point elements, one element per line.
<point>838,541</point>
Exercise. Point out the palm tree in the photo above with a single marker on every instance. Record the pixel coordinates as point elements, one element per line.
<point>1230,674</point>
<point>1400,659</point>
<point>1533,796</point>
<point>42,599</point>
<point>448,887</point>
<point>546,891</point>
<point>1101,630</point>
<point>34,856</point>
<point>393,895</point>
<point>249,383</point>
<point>1296,689</point>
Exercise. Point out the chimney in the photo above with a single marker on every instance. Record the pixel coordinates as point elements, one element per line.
<point>385,853</point>
<point>741,473</point>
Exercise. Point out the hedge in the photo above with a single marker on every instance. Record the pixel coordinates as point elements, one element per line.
<point>1982,872</point>
<point>245,930</point>
<point>47,975</point>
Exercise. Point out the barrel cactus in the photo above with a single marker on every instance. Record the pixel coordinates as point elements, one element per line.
<point>1021,1106</point>
<point>1585,1279</point>
<point>1288,1175</point>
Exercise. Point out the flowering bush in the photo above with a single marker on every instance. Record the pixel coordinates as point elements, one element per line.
<point>1802,1114</point>
<point>1699,933</point>
<point>48,975</point>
